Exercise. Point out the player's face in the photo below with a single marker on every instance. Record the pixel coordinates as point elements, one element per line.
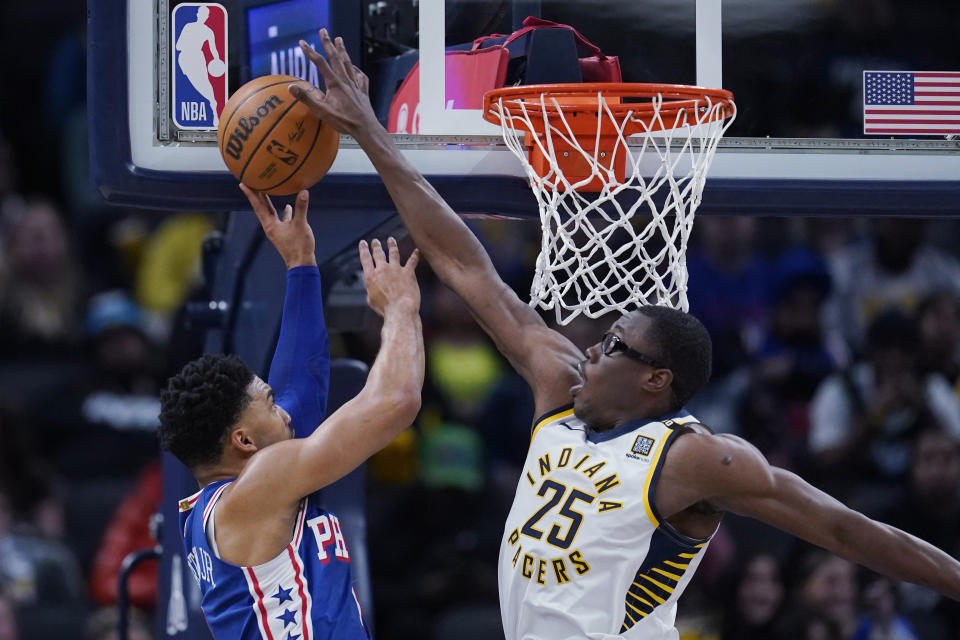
<point>271,423</point>
<point>609,394</point>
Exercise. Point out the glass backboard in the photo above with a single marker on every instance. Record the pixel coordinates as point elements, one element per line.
<point>806,75</point>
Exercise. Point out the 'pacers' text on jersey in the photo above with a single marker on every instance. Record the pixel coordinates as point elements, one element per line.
<point>585,553</point>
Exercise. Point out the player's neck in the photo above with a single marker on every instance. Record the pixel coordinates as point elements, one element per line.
<point>655,408</point>
<point>220,472</point>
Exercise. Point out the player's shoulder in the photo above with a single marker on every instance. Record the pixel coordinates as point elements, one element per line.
<point>697,448</point>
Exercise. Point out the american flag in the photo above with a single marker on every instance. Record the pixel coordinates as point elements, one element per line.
<point>923,103</point>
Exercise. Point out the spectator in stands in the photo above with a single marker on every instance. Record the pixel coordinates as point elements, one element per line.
<point>41,287</point>
<point>796,354</point>
<point>930,508</point>
<point>755,599</point>
<point>895,268</point>
<point>828,586</point>
<point>462,362</point>
<point>8,619</point>
<point>170,267</point>
<point>39,574</point>
<point>938,319</point>
<point>863,419</point>
<point>129,531</point>
<point>116,407</point>
<point>881,618</point>
<point>727,287</point>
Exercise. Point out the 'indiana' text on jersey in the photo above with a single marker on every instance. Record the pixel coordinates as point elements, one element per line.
<point>304,593</point>
<point>585,553</point>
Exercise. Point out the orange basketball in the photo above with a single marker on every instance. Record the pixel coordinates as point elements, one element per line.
<point>271,141</point>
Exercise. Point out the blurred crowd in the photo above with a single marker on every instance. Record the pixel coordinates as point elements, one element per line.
<point>835,352</point>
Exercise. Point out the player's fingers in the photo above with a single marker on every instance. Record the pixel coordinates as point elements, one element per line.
<point>366,262</point>
<point>343,58</point>
<point>322,66</point>
<point>413,260</point>
<point>331,50</point>
<point>335,52</point>
<point>268,204</point>
<point>393,251</point>
<point>301,206</point>
<point>256,203</point>
<point>312,97</point>
<point>363,82</point>
<point>376,249</point>
<point>287,214</point>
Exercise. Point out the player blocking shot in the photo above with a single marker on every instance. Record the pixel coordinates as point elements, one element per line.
<point>270,561</point>
<point>622,489</point>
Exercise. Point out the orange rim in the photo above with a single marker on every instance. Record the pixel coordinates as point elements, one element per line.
<point>574,100</point>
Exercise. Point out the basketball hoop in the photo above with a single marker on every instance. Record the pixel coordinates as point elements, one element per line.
<point>600,157</point>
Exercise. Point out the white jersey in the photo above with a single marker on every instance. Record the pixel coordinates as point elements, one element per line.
<point>584,552</point>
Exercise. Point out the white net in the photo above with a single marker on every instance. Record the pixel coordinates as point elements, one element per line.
<point>622,244</point>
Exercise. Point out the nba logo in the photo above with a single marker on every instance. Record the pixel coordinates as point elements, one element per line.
<point>199,64</point>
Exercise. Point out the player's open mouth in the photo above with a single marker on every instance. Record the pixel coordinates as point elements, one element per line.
<point>575,389</point>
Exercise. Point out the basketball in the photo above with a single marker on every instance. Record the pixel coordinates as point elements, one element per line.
<point>271,141</point>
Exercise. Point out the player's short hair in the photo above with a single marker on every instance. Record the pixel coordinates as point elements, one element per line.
<point>682,343</point>
<point>199,406</point>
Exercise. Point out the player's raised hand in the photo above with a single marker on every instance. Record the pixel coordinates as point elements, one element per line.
<point>346,102</point>
<point>390,284</point>
<point>290,234</point>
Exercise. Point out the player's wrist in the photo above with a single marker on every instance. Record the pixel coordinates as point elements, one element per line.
<point>402,306</point>
<point>367,131</point>
<point>301,261</point>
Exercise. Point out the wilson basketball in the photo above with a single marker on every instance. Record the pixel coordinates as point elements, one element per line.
<point>271,141</point>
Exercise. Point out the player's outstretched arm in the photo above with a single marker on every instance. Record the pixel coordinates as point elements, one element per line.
<point>280,474</point>
<point>732,475</point>
<point>300,369</point>
<point>544,358</point>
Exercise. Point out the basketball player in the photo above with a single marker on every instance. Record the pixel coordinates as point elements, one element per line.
<point>192,61</point>
<point>270,562</point>
<point>622,490</point>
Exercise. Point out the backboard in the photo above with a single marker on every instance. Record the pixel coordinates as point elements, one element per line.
<point>798,70</point>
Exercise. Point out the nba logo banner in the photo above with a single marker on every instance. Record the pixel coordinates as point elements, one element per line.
<point>199,64</point>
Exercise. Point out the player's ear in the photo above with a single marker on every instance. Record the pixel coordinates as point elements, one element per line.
<point>242,440</point>
<point>657,380</point>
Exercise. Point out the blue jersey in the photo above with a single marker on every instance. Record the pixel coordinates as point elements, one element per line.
<point>304,593</point>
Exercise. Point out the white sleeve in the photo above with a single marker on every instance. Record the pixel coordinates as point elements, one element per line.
<point>829,415</point>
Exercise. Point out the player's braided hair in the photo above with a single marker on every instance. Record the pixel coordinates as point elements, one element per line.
<point>683,344</point>
<point>200,404</point>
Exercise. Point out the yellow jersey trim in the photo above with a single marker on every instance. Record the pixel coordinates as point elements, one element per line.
<point>650,473</point>
<point>550,418</point>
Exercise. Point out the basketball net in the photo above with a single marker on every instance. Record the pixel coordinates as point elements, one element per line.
<point>616,197</point>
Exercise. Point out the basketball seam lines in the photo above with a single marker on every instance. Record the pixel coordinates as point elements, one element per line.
<point>266,134</point>
<point>306,154</point>
<point>237,108</point>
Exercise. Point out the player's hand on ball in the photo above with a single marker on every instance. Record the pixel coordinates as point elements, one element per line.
<point>290,234</point>
<point>346,103</point>
<point>390,284</point>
